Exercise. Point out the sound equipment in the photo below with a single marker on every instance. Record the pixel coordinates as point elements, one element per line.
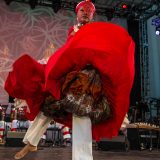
<point>143,136</point>
<point>118,143</point>
<point>14,139</point>
<point>134,138</point>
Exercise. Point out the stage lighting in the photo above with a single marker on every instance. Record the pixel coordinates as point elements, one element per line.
<point>157,33</point>
<point>158,30</point>
<point>124,6</point>
<point>156,21</point>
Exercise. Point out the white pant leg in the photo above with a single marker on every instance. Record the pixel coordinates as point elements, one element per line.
<point>37,129</point>
<point>81,139</point>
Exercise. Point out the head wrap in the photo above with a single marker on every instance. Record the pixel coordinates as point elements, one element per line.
<point>85,2</point>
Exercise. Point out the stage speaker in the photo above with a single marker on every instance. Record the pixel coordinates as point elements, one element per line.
<point>119,143</point>
<point>14,139</point>
<point>133,138</point>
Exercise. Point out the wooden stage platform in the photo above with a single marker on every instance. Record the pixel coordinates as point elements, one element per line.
<point>59,153</point>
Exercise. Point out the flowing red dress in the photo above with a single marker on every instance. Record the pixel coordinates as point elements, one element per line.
<point>108,47</point>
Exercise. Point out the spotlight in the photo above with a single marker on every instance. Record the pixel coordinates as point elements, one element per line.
<point>157,33</point>
<point>156,21</point>
<point>8,2</point>
<point>124,6</point>
<point>158,30</point>
<point>122,9</point>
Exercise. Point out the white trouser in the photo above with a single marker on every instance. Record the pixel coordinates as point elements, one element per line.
<point>37,129</point>
<point>82,139</point>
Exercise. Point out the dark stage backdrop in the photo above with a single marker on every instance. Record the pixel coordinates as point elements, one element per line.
<point>133,29</point>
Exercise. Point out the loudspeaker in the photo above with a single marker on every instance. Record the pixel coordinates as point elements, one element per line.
<point>14,139</point>
<point>117,143</point>
<point>134,138</point>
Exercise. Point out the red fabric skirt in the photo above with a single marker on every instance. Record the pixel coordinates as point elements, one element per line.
<point>108,47</point>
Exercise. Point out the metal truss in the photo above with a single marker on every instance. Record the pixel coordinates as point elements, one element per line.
<point>144,60</point>
<point>137,9</point>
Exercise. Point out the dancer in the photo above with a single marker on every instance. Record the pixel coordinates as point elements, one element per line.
<point>112,53</point>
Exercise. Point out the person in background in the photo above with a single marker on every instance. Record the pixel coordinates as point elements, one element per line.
<point>8,113</point>
<point>60,135</point>
<point>2,125</point>
<point>15,121</point>
<point>66,135</point>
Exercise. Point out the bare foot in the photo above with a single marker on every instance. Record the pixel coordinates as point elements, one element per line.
<point>24,151</point>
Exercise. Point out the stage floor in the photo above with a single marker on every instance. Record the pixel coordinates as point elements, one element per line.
<point>55,153</point>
